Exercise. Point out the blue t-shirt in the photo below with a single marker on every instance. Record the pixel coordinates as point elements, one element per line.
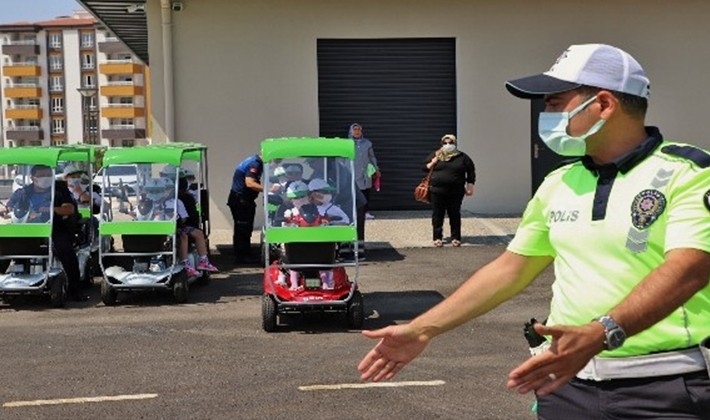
<point>251,167</point>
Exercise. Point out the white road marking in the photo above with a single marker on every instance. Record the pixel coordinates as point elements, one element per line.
<point>79,400</point>
<point>370,385</point>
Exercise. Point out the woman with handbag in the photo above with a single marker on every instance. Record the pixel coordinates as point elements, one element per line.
<point>453,175</point>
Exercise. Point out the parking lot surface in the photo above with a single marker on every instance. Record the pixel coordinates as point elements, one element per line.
<point>209,359</point>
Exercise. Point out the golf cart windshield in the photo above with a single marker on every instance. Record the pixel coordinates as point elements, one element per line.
<point>22,199</point>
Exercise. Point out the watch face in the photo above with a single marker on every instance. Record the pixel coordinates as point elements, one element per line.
<point>615,338</point>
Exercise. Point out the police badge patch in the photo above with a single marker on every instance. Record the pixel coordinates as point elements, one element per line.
<point>646,207</point>
<point>706,200</point>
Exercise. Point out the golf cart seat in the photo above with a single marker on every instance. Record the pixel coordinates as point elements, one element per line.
<point>310,253</point>
<point>24,246</point>
<point>144,243</point>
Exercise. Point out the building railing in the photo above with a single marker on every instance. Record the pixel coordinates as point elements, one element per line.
<point>111,105</point>
<point>21,42</point>
<point>23,128</point>
<point>24,85</point>
<point>23,64</point>
<point>119,61</point>
<point>122,127</point>
<point>121,83</point>
<point>23,106</point>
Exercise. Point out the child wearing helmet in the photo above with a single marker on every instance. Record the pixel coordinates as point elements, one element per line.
<point>321,194</point>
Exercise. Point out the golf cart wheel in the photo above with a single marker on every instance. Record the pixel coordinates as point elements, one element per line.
<point>180,288</point>
<point>356,311</point>
<point>269,313</point>
<point>108,294</point>
<point>58,290</point>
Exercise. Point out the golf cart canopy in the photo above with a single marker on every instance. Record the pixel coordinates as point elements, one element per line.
<point>171,153</point>
<point>287,147</point>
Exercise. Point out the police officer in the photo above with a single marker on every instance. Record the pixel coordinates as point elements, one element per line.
<point>246,186</point>
<point>626,227</point>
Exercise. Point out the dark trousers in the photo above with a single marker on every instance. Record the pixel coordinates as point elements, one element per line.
<point>361,216</point>
<point>665,397</point>
<point>443,204</point>
<point>243,212</point>
<point>63,245</point>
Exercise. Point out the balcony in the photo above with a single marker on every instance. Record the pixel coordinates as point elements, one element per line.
<point>113,67</point>
<point>21,48</point>
<point>121,89</point>
<point>23,91</point>
<point>113,46</point>
<point>24,133</point>
<point>122,111</point>
<point>119,132</point>
<point>22,70</point>
<point>24,112</point>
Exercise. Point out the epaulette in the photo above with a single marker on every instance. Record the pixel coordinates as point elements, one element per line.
<point>693,154</point>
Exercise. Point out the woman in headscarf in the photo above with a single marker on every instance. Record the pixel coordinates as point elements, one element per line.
<point>453,176</point>
<point>364,157</point>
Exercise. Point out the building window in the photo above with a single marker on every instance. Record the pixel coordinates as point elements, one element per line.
<point>87,61</point>
<point>55,62</point>
<point>55,40</point>
<point>57,104</point>
<point>128,143</point>
<point>57,126</point>
<point>87,39</point>
<point>58,142</point>
<point>56,83</point>
<point>88,81</point>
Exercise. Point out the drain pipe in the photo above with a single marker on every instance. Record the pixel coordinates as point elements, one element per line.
<point>167,26</point>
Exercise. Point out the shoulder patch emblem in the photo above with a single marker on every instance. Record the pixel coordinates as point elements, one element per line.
<point>706,199</point>
<point>693,154</point>
<point>646,207</point>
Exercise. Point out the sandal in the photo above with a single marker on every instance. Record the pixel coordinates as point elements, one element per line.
<point>456,243</point>
<point>438,243</point>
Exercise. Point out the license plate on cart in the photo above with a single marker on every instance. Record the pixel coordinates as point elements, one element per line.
<point>312,283</point>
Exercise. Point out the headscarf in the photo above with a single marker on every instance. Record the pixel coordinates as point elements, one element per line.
<point>350,131</point>
<point>446,156</point>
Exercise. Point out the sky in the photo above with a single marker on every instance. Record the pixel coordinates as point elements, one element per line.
<point>12,11</point>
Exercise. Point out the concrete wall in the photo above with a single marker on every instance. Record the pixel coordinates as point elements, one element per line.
<point>246,70</point>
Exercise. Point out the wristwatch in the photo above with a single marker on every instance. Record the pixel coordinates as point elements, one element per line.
<point>615,335</point>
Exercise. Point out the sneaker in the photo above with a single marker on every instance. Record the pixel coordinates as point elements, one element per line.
<point>369,216</point>
<point>205,265</point>
<point>438,243</point>
<point>456,243</point>
<point>191,272</point>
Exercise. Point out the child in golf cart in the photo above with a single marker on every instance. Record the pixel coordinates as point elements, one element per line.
<point>304,200</point>
<point>188,221</point>
<point>321,194</point>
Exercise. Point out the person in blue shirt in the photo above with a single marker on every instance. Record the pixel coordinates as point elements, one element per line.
<point>33,204</point>
<point>246,186</point>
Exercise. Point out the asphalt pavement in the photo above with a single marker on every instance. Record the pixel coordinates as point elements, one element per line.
<point>150,358</point>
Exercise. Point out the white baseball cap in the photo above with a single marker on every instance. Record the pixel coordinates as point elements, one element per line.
<point>595,65</point>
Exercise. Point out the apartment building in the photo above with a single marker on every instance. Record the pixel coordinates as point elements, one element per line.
<point>69,80</point>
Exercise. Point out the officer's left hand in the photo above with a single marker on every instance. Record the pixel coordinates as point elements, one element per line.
<point>570,350</point>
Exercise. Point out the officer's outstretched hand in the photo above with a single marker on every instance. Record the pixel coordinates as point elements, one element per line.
<point>399,345</point>
<point>570,350</point>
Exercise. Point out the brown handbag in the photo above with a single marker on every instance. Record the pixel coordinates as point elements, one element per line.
<point>421,192</point>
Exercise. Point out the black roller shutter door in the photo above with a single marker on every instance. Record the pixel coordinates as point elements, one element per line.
<point>402,91</point>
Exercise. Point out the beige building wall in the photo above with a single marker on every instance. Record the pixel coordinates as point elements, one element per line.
<point>247,70</point>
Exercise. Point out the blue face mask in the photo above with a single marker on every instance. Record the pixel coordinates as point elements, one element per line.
<point>552,128</point>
